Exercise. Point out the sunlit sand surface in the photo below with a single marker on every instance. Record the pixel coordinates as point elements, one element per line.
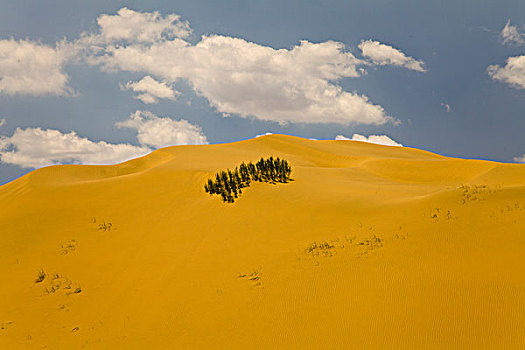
<point>370,247</point>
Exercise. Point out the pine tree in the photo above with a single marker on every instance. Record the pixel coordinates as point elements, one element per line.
<point>253,171</point>
<point>237,177</point>
<point>224,195</point>
<point>273,170</point>
<point>218,185</point>
<point>225,183</point>
<point>229,183</point>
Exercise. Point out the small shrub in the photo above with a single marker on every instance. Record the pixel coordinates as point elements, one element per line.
<point>41,276</point>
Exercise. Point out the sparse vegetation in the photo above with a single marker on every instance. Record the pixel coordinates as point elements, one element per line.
<point>69,247</point>
<point>438,214</point>
<point>105,227</point>
<point>41,276</point>
<point>363,246</point>
<point>229,183</point>
<point>4,325</point>
<point>470,193</point>
<point>317,248</point>
<point>55,283</point>
<point>254,278</point>
<point>373,242</point>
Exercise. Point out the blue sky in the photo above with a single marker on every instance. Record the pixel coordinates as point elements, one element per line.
<point>98,82</point>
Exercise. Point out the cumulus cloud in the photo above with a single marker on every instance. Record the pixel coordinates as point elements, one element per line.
<point>297,84</point>
<point>31,68</point>
<point>510,35</point>
<point>236,76</point>
<point>158,132</point>
<point>36,147</point>
<point>520,159</point>
<point>150,90</point>
<point>129,25</point>
<point>383,55</point>
<point>377,139</point>
<point>513,73</point>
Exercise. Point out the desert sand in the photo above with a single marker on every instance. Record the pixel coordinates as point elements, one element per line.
<point>370,247</point>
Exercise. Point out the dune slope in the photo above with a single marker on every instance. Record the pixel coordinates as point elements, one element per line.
<point>369,247</point>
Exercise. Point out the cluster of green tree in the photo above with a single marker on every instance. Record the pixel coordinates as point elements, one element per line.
<point>229,183</point>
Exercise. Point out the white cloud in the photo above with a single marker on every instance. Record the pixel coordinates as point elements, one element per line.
<point>239,77</point>
<point>36,147</point>
<point>377,139</point>
<point>512,73</point>
<point>520,159</point>
<point>510,35</point>
<point>158,132</point>
<point>265,134</point>
<point>2,122</point>
<point>126,27</point>
<point>31,68</point>
<point>129,25</point>
<point>383,55</point>
<point>151,90</point>
<point>446,106</point>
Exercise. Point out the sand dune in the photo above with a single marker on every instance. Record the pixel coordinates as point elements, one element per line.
<point>370,247</point>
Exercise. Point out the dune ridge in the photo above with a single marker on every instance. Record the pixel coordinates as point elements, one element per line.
<point>369,247</point>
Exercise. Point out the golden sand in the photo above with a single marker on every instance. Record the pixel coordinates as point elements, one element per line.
<point>370,247</point>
